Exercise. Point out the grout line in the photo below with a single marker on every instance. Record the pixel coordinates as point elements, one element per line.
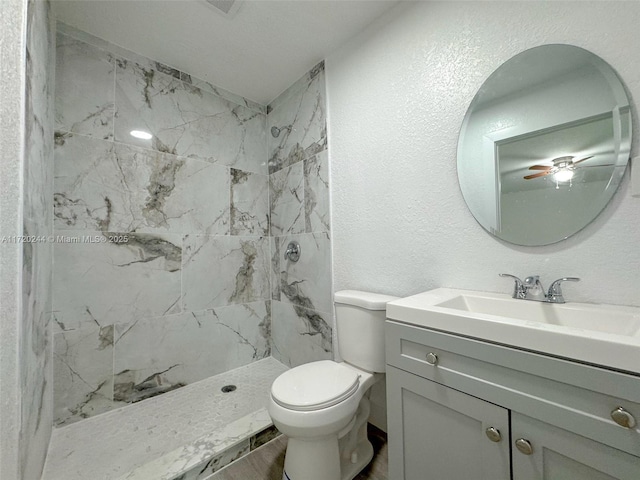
<point>115,106</point>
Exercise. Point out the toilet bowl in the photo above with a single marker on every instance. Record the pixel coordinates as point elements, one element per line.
<point>323,406</point>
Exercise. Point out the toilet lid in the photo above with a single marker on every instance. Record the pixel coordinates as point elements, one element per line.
<point>314,386</point>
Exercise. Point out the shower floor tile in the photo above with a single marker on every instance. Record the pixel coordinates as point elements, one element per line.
<point>161,437</point>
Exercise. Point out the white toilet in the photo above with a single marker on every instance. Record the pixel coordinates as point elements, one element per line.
<point>322,406</point>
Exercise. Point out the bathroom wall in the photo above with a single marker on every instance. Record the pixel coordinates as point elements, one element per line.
<point>162,256</point>
<point>27,173</point>
<point>37,263</point>
<point>302,304</point>
<point>397,95</point>
<point>13,14</point>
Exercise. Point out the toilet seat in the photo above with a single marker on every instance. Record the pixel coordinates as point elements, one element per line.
<point>315,386</point>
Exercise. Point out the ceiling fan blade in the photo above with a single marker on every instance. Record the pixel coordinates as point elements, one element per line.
<point>582,160</point>
<point>541,167</point>
<point>593,166</point>
<point>536,175</point>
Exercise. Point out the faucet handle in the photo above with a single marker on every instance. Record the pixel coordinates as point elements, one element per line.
<point>519,290</point>
<point>555,290</point>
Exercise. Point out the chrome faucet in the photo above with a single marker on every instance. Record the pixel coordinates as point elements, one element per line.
<point>531,288</point>
<point>519,290</point>
<point>555,290</point>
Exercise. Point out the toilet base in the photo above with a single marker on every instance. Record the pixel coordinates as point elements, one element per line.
<point>364,455</point>
<point>336,457</point>
<point>310,460</point>
<point>315,459</point>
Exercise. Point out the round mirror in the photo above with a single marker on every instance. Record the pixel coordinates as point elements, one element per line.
<point>544,144</point>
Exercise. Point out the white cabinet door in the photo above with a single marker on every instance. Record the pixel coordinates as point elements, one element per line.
<point>557,454</point>
<point>437,433</point>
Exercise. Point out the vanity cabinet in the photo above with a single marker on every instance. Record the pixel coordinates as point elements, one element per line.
<point>462,408</point>
<point>442,432</point>
<point>558,454</point>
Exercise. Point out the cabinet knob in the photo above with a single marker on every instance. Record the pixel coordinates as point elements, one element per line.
<point>432,358</point>
<point>493,434</point>
<point>623,418</point>
<point>524,446</point>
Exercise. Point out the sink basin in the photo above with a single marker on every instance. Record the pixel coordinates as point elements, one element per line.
<point>606,335</point>
<point>578,316</point>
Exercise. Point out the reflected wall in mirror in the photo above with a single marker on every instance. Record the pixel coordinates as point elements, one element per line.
<point>544,144</point>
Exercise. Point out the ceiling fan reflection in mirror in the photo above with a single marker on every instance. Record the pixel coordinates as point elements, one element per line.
<point>562,168</point>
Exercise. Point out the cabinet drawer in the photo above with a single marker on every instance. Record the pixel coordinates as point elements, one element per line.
<point>556,391</point>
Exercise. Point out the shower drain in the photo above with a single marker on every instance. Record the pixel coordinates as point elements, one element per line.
<point>228,388</point>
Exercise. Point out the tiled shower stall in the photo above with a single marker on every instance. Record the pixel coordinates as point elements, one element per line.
<point>167,264</point>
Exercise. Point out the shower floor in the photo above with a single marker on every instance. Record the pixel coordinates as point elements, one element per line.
<point>186,434</point>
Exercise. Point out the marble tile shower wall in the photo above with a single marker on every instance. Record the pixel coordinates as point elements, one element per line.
<point>302,307</point>
<point>36,345</point>
<point>162,263</point>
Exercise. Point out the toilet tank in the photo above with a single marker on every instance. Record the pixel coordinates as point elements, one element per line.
<point>360,318</point>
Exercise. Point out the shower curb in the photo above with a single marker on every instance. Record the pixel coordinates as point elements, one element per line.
<point>203,457</point>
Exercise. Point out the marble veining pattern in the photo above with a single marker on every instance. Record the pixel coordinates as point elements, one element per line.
<point>263,437</point>
<point>221,92</point>
<point>165,436</point>
<point>185,120</point>
<point>302,318</point>
<point>204,175</point>
<point>76,157</point>
<point>84,95</point>
<point>187,275</point>
<point>83,369</point>
<point>307,282</point>
<point>274,274</point>
<point>219,271</point>
<point>204,471</point>
<point>114,50</point>
<point>316,193</point>
<point>200,459</point>
<point>155,65</point>
<point>156,355</point>
<point>102,185</point>
<point>99,283</point>
<point>302,108</point>
<point>249,203</point>
<point>300,335</point>
<point>108,282</point>
<point>35,349</point>
<point>287,200</point>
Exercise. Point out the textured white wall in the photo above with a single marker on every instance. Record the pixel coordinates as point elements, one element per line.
<point>12,68</point>
<point>397,95</point>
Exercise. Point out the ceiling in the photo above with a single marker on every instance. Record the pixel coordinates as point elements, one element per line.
<point>256,52</point>
<point>593,138</point>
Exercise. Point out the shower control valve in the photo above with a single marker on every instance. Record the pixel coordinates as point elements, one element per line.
<point>292,252</point>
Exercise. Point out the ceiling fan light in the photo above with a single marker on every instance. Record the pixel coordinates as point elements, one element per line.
<point>563,175</point>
